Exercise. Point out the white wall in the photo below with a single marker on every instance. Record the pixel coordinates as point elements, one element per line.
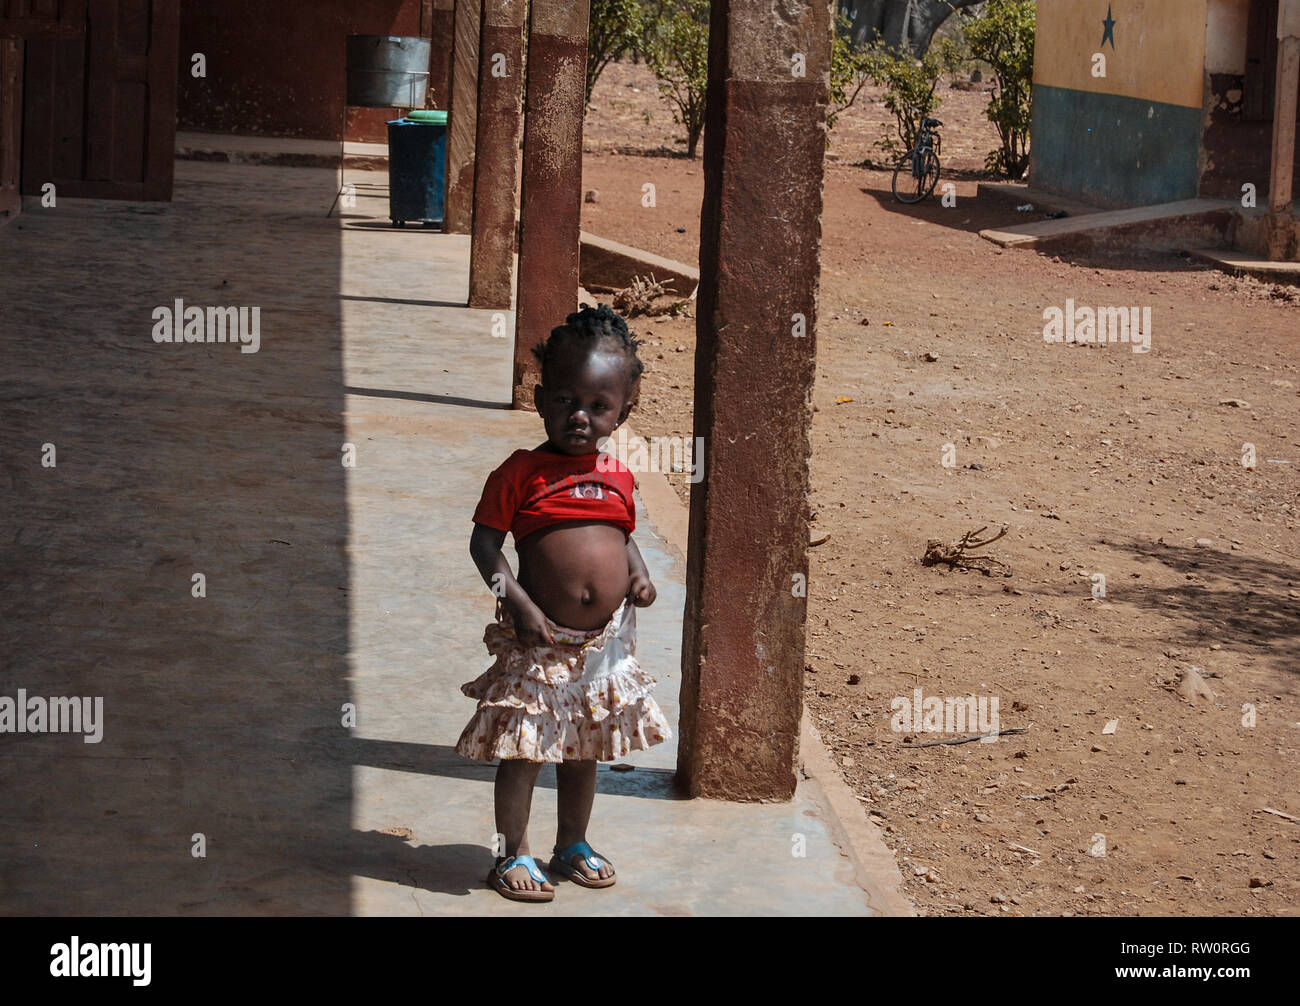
<point>1225,36</point>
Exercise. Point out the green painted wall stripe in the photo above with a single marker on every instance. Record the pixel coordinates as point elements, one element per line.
<point>1113,150</point>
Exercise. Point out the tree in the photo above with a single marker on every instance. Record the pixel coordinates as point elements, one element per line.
<point>910,86</point>
<point>679,57</point>
<point>615,28</point>
<point>1003,37</point>
<point>851,69</point>
<point>909,83</point>
<point>900,24</point>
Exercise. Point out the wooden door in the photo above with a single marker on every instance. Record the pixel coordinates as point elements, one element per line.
<point>1261,61</point>
<point>42,18</point>
<point>99,116</point>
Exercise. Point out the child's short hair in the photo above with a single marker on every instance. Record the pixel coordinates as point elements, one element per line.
<point>585,330</point>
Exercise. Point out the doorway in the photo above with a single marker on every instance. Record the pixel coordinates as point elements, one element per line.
<point>98,96</point>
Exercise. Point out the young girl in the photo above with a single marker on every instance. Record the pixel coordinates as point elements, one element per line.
<point>566,686</point>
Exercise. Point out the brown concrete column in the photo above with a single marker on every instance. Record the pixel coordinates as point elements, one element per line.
<point>1282,228</point>
<point>760,241</point>
<point>458,213</point>
<point>496,159</point>
<point>551,193</point>
<point>1284,108</point>
<point>438,24</point>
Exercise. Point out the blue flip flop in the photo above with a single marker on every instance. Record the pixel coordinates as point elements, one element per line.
<point>560,863</point>
<point>496,879</point>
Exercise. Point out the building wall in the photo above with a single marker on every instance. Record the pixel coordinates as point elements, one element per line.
<point>1132,137</point>
<point>1225,36</point>
<point>277,69</point>
<point>1233,151</point>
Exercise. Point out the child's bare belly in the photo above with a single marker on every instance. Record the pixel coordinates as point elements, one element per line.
<point>577,573</point>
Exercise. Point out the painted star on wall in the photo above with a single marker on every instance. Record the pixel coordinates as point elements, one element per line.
<point>1109,33</point>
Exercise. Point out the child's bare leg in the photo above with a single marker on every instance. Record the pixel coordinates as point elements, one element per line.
<point>513,795</point>
<point>576,785</point>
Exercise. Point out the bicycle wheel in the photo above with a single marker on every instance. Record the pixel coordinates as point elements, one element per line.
<point>915,177</point>
<point>931,174</point>
<point>906,193</point>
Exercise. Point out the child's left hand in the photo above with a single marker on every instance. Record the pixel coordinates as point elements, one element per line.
<point>641,591</point>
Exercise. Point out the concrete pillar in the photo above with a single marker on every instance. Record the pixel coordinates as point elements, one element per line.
<point>496,159</point>
<point>458,213</point>
<point>760,242</point>
<point>1284,109</point>
<point>438,24</point>
<point>550,201</point>
<point>1282,229</point>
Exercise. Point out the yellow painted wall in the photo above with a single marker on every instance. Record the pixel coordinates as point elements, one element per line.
<point>1159,52</point>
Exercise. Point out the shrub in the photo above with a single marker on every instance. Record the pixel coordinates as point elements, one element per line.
<point>910,86</point>
<point>1003,36</point>
<point>615,28</point>
<point>678,53</point>
<point>850,70</point>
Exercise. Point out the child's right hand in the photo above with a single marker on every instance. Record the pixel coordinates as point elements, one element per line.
<point>530,625</point>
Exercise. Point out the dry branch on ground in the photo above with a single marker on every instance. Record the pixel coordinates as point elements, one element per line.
<point>957,554</point>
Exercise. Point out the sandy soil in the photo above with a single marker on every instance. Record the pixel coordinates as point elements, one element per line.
<point>1099,461</point>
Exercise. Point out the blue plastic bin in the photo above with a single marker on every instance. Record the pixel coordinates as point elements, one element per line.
<point>417,168</point>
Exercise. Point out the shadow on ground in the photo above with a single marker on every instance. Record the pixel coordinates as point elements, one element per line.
<point>221,712</point>
<point>1246,599</point>
<point>973,214</point>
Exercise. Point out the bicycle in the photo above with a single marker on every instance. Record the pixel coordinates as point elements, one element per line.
<point>921,165</point>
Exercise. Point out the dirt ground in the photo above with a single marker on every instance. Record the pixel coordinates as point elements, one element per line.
<point>1099,461</point>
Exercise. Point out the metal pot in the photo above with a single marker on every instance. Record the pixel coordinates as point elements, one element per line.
<point>388,71</point>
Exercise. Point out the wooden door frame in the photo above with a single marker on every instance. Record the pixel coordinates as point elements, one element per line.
<point>11,128</point>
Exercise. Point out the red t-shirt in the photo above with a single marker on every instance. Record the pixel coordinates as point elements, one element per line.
<point>535,489</point>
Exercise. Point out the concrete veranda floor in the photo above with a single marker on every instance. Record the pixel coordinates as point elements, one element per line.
<point>325,585</point>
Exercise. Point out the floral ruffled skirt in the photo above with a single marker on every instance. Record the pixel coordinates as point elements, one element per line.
<point>584,698</point>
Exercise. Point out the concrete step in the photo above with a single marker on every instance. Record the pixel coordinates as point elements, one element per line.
<point>612,265</point>
<point>1046,202</point>
<point>1176,225</point>
<point>279,151</point>
<point>1237,263</point>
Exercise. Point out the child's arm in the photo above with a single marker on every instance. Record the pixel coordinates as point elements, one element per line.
<point>485,548</point>
<point>639,588</point>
